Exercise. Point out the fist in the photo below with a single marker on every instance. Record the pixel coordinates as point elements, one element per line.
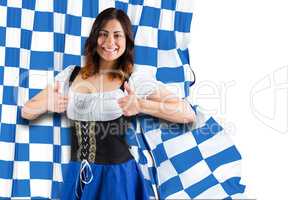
<point>56,101</point>
<point>130,103</point>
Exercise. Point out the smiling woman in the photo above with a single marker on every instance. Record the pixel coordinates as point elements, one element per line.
<point>102,98</point>
<point>111,41</point>
<point>110,45</point>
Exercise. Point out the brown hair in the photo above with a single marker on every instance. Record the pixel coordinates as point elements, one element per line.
<point>92,59</point>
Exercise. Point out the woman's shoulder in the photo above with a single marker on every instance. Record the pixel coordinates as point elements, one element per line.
<point>141,74</point>
<point>144,76</point>
<point>143,81</point>
<point>65,74</point>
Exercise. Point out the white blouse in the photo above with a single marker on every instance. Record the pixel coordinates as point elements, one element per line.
<point>102,106</point>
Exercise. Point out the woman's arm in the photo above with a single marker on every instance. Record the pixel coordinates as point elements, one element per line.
<point>36,106</point>
<point>166,105</point>
<point>48,99</point>
<point>161,103</point>
<point>179,112</point>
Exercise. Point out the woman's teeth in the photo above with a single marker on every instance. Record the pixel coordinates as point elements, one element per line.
<point>110,50</point>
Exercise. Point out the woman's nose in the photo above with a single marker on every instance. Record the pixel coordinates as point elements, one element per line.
<point>110,39</point>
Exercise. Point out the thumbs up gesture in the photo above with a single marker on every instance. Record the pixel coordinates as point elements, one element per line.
<point>56,101</point>
<point>130,103</point>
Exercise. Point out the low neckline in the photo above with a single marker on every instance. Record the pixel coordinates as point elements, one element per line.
<point>121,87</point>
<point>96,93</point>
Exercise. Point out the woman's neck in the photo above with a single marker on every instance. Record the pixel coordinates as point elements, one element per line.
<point>107,65</point>
<point>107,68</point>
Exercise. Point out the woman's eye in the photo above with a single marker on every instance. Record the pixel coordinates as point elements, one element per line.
<point>102,34</point>
<point>118,36</point>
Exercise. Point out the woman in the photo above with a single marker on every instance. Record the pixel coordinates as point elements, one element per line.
<point>101,99</point>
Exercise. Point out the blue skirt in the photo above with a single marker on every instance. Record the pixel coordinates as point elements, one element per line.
<point>90,181</point>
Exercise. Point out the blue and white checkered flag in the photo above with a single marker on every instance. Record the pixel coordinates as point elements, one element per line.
<point>188,161</point>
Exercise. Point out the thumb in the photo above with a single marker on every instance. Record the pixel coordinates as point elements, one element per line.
<point>128,89</point>
<point>56,86</point>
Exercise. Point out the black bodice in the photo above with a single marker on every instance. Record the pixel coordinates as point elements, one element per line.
<point>100,141</point>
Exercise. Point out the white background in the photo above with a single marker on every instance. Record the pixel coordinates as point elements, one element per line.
<point>246,58</point>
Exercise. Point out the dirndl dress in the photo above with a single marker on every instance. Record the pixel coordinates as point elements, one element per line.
<point>101,166</point>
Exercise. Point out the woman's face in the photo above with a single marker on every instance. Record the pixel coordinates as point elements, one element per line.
<point>111,41</point>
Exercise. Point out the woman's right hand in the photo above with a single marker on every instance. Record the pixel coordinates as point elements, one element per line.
<point>57,102</point>
<point>49,99</point>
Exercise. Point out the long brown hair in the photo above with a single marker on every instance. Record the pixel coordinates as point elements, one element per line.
<point>92,59</point>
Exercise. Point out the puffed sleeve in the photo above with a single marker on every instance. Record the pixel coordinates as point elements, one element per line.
<point>143,83</point>
<point>65,74</point>
<point>63,78</point>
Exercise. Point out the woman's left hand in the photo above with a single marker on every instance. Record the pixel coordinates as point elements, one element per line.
<point>130,103</point>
